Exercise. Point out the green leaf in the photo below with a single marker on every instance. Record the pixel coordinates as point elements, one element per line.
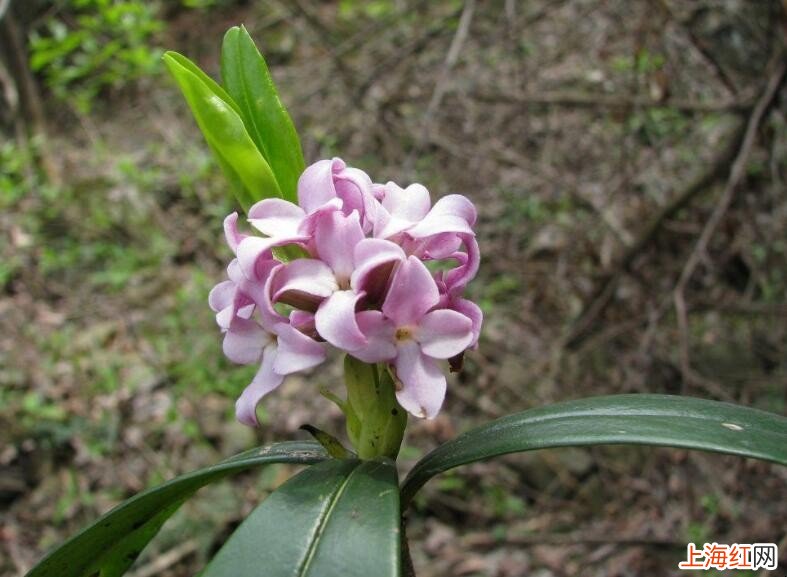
<point>337,519</point>
<point>665,420</point>
<point>247,79</point>
<point>108,547</point>
<point>212,85</point>
<point>219,120</point>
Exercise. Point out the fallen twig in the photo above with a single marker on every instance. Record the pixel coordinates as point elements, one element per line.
<point>487,541</point>
<point>736,175</point>
<point>585,100</point>
<point>581,327</point>
<point>450,61</point>
<point>168,559</point>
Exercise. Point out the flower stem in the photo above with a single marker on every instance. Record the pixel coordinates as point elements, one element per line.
<point>375,420</point>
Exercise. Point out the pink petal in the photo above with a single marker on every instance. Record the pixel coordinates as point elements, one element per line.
<point>234,272</point>
<point>231,232</point>
<point>224,317</point>
<point>222,296</point>
<point>261,295</point>
<point>309,224</point>
<point>378,191</point>
<point>354,187</point>
<point>474,313</point>
<point>379,333</point>
<point>457,278</point>
<point>244,341</point>
<point>409,204</point>
<point>276,217</point>
<point>423,383</point>
<point>375,259</point>
<point>315,185</point>
<point>253,251</point>
<point>412,293</point>
<point>444,333</point>
<point>441,246</point>
<point>452,213</point>
<point>304,283</point>
<point>303,321</point>
<point>336,236</point>
<point>335,321</point>
<point>263,383</point>
<point>296,351</point>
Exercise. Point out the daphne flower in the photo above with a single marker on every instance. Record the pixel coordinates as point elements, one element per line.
<point>349,268</point>
<point>360,286</point>
<point>279,345</point>
<point>410,335</point>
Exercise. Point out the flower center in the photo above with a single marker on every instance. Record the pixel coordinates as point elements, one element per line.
<point>404,334</point>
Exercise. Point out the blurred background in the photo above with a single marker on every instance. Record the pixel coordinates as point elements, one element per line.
<point>628,159</point>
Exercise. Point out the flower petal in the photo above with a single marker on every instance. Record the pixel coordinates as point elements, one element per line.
<point>400,209</point>
<point>263,383</point>
<point>456,279</point>
<point>412,293</point>
<point>304,283</point>
<point>244,341</point>
<point>379,333</point>
<point>253,251</point>
<point>410,204</point>
<point>296,351</point>
<point>231,233</point>
<point>234,272</point>
<point>444,333</point>
<point>452,213</point>
<point>474,313</point>
<point>441,246</point>
<point>276,217</point>
<point>354,187</point>
<point>374,261</point>
<point>335,321</point>
<point>303,321</point>
<point>423,383</point>
<point>315,185</point>
<point>336,236</point>
<point>260,294</point>
<point>222,296</point>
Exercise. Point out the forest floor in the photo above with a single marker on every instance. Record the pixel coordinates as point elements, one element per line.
<point>596,138</point>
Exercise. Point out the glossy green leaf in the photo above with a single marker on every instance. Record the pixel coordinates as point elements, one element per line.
<point>337,519</point>
<point>212,85</point>
<point>246,77</point>
<point>218,118</point>
<point>108,547</point>
<point>664,420</point>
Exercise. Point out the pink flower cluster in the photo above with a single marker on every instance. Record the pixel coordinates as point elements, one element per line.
<point>361,286</point>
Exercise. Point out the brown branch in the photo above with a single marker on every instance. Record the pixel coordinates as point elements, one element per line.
<point>168,559</point>
<point>584,100</point>
<point>737,173</point>
<point>451,59</point>
<point>487,541</point>
<point>581,327</point>
<point>327,37</point>
<point>12,44</point>
<point>402,55</point>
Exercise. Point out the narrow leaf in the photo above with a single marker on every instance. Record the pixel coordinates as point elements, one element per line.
<point>337,519</point>
<point>109,546</point>
<point>664,420</point>
<point>218,119</point>
<point>246,77</point>
<point>212,85</point>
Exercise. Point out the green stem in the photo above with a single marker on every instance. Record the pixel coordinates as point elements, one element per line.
<point>375,420</point>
